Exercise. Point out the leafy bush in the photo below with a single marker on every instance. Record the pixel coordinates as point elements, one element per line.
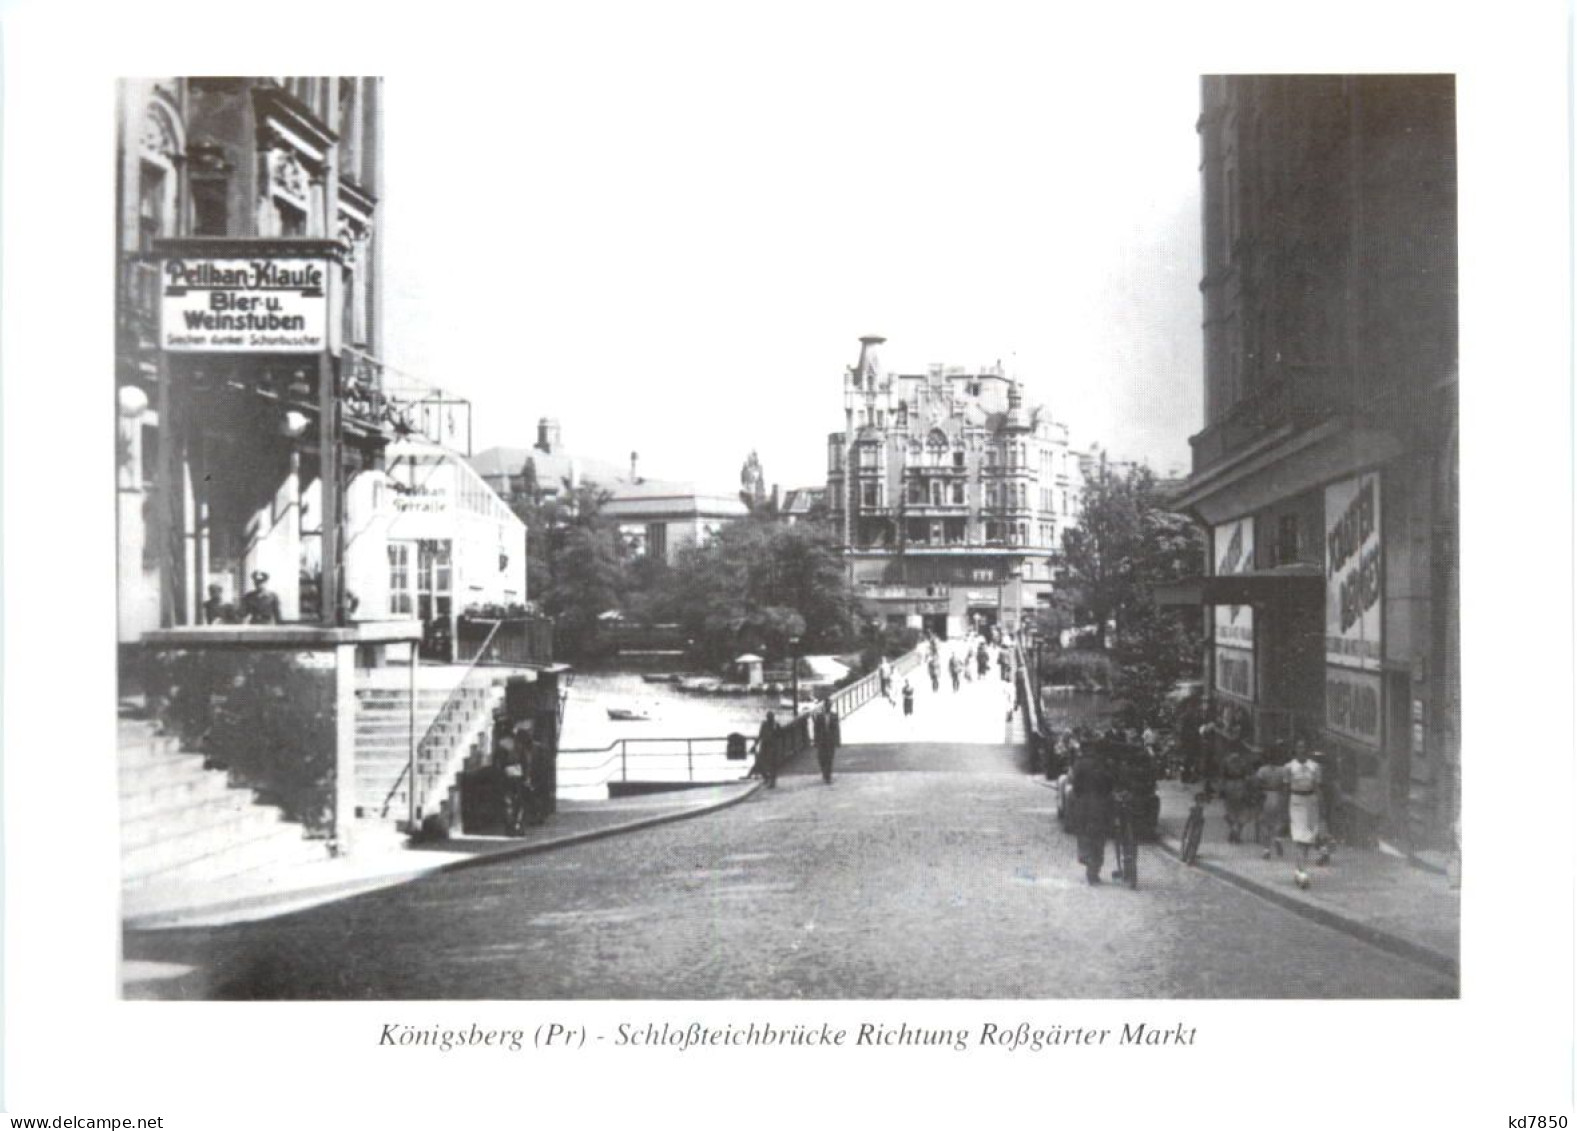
<point>267,717</point>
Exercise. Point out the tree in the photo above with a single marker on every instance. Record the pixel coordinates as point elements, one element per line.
<point>1098,555</point>
<point>573,568</point>
<point>1126,545</point>
<point>758,584</point>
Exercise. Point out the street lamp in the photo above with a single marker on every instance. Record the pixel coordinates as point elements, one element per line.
<point>794,671</point>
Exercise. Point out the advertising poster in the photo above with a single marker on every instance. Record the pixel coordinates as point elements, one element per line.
<point>1232,548</point>
<point>1354,582</point>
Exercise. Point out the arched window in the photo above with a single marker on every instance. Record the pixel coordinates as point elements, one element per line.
<point>936,448</point>
<point>160,144</point>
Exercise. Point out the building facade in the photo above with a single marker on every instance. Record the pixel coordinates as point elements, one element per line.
<point>1326,473</point>
<point>248,330</point>
<point>427,538</point>
<point>952,495</point>
<point>647,516</point>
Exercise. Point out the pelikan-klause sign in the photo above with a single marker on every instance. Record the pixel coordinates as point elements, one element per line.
<point>263,305</point>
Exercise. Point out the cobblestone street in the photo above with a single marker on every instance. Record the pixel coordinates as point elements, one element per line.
<point>893,882</point>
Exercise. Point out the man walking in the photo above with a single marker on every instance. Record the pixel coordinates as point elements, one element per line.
<point>1092,810</point>
<point>767,751</point>
<point>826,725</point>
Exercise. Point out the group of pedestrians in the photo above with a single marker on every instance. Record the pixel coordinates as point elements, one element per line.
<point>774,743</point>
<point>1111,794</point>
<point>1285,789</point>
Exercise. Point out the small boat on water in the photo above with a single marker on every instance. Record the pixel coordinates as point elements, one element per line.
<point>632,712</point>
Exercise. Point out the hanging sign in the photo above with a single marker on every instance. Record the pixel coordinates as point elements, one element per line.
<point>270,304</point>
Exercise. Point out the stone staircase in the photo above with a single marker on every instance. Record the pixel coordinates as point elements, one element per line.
<point>184,826</point>
<point>383,729</point>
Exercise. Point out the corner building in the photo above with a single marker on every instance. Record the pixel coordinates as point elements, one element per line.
<point>1326,473</point>
<point>248,328</point>
<point>952,495</point>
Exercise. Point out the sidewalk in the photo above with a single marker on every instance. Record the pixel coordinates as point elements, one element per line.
<point>266,893</point>
<point>1376,897</point>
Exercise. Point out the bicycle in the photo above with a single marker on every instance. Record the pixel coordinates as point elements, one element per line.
<point>1124,837</point>
<point>1193,829</point>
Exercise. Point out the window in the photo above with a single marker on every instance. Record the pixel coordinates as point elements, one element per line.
<point>400,603</point>
<point>210,206</point>
<point>982,574</point>
<point>657,540</point>
<point>937,498</point>
<point>916,494</point>
<point>870,494</point>
<point>151,205</point>
<point>867,455</point>
<point>292,220</point>
<point>958,494</point>
<point>958,459</point>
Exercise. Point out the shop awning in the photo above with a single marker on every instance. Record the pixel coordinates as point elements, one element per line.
<point>1258,587</point>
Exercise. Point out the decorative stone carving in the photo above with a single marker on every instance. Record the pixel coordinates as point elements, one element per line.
<point>287,178</point>
<point>160,138</point>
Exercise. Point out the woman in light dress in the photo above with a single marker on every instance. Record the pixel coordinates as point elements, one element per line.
<point>1304,780</point>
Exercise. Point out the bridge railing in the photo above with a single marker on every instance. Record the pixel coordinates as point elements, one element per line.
<point>851,698</point>
<point>1041,740</point>
<point>705,759</point>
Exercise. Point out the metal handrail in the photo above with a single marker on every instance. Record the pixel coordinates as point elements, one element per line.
<point>444,715</point>
<point>796,733</point>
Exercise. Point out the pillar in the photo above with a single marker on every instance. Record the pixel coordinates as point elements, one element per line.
<point>344,748</point>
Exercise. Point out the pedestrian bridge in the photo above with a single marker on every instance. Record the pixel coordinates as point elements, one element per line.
<point>977,713</point>
<point>876,734</point>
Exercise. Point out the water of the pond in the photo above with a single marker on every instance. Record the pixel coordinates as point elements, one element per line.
<point>665,750</point>
<point>1063,712</point>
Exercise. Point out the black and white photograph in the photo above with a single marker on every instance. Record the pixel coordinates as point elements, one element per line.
<point>981,662</point>
<point>708,535</point>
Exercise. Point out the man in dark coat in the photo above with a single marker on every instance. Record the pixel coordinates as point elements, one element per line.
<point>767,752</point>
<point>1092,809</point>
<point>261,605</point>
<point>825,725</point>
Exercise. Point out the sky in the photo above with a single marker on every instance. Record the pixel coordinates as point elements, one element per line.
<point>670,234</point>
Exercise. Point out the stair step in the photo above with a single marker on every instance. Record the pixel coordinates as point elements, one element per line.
<point>280,846</point>
<point>146,775</point>
<point>186,818</point>
<point>145,798</point>
<point>214,833</point>
<point>150,747</point>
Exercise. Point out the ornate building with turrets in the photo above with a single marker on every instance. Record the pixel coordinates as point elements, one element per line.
<point>952,494</point>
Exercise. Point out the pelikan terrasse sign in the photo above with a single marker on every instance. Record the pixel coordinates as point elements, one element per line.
<point>262,304</point>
